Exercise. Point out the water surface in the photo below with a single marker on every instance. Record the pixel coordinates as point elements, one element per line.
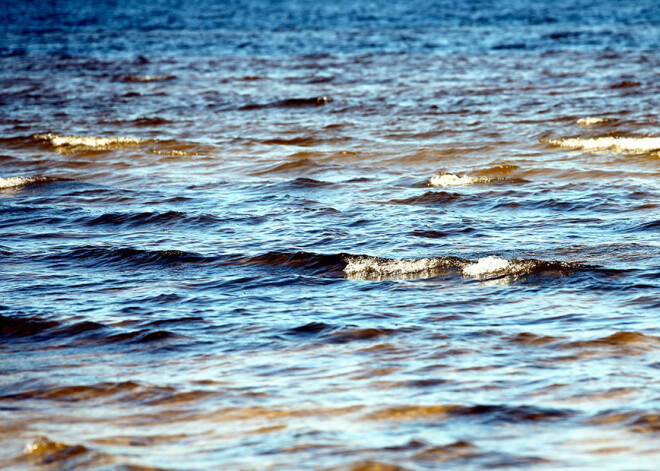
<point>283,235</point>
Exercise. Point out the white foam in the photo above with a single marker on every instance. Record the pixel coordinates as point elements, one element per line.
<point>449,179</point>
<point>486,266</point>
<point>374,267</point>
<point>175,153</point>
<point>589,121</point>
<point>620,144</point>
<point>88,142</point>
<point>14,182</point>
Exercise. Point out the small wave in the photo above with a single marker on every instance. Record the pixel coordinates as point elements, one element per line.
<point>15,182</point>
<point>128,257</point>
<point>638,421</point>
<point>17,327</point>
<point>50,452</point>
<point>630,340</point>
<point>489,413</point>
<point>151,121</point>
<point>291,103</point>
<point>175,153</point>
<point>304,141</point>
<point>317,263</point>
<point>430,198</point>
<point>618,144</point>
<point>126,391</point>
<point>449,179</point>
<point>486,266</point>
<point>589,121</point>
<point>625,84</point>
<point>63,143</point>
<point>297,167</point>
<point>376,268</point>
<point>498,170</point>
<point>83,333</point>
<point>146,78</point>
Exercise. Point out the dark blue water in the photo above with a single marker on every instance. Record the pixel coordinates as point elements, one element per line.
<point>358,235</point>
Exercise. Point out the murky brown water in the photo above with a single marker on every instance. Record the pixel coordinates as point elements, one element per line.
<point>347,236</point>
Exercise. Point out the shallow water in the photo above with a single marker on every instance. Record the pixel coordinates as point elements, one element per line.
<point>275,235</point>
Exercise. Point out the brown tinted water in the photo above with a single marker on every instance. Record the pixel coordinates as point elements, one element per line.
<point>349,236</point>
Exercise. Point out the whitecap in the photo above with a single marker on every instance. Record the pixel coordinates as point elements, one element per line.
<point>60,141</point>
<point>487,266</point>
<point>590,121</point>
<point>11,182</point>
<point>449,179</point>
<point>619,144</point>
<point>364,267</point>
<point>15,182</point>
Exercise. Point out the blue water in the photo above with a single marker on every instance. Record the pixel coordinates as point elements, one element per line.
<point>358,235</point>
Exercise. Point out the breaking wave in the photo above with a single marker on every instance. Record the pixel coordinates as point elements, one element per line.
<point>16,182</point>
<point>63,143</point>
<point>617,144</point>
<point>376,268</point>
<point>590,121</point>
<point>449,179</point>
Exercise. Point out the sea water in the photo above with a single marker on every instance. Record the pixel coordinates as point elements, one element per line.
<point>329,235</point>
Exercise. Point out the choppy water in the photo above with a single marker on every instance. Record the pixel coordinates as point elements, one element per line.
<point>347,235</point>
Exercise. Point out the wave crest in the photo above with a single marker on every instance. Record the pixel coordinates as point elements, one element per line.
<point>378,269</point>
<point>17,182</point>
<point>636,145</point>
<point>449,179</point>
<point>64,144</point>
<point>590,121</point>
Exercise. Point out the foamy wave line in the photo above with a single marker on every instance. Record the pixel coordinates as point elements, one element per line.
<point>621,144</point>
<point>376,268</point>
<point>486,266</point>
<point>12,182</point>
<point>175,153</point>
<point>88,142</point>
<point>15,182</point>
<point>383,267</point>
<point>449,179</point>
<point>590,121</point>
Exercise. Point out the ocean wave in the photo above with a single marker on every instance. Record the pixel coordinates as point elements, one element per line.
<point>449,179</point>
<point>147,218</point>
<point>63,143</point>
<point>486,266</point>
<point>320,264</point>
<point>617,144</point>
<point>377,268</point>
<point>175,153</point>
<point>86,333</point>
<point>128,257</point>
<point>146,78</point>
<point>12,182</point>
<point>17,182</point>
<point>374,268</point>
<point>590,121</point>
<point>291,103</point>
<point>493,413</point>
